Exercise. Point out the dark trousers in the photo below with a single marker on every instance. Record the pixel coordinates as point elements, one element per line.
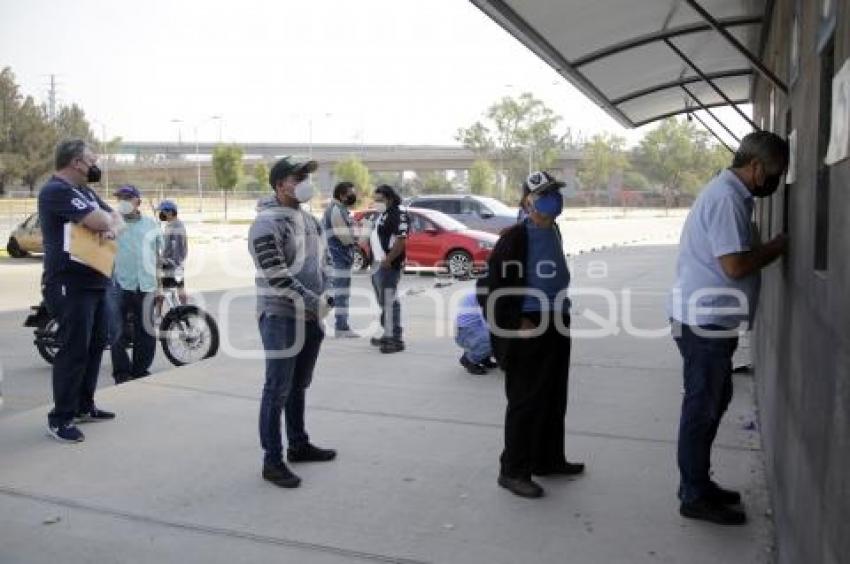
<point>385,284</point>
<point>81,314</point>
<point>138,305</point>
<point>340,283</point>
<point>290,360</point>
<point>536,378</point>
<point>708,391</point>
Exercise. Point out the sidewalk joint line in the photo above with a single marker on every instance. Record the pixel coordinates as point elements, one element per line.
<point>205,529</point>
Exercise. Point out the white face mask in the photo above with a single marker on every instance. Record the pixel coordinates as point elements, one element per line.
<point>125,207</point>
<point>380,207</point>
<point>304,191</point>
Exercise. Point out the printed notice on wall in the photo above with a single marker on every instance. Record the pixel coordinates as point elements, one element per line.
<point>791,175</point>
<point>839,140</point>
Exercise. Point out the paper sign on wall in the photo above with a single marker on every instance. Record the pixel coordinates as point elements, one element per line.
<point>791,175</point>
<point>839,139</point>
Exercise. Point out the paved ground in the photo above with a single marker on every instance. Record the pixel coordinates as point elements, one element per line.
<point>175,478</point>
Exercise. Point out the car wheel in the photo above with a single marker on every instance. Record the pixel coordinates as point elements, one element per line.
<point>459,264</point>
<point>360,261</point>
<point>14,249</point>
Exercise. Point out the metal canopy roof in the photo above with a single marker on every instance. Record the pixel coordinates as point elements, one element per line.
<point>645,60</point>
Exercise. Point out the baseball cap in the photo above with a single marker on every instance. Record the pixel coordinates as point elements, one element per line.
<point>285,167</point>
<point>541,181</point>
<point>167,205</point>
<point>127,191</point>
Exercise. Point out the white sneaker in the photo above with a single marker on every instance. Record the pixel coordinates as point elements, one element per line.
<point>346,334</point>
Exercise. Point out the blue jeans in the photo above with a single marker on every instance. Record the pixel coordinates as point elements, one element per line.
<point>340,283</point>
<point>138,304</point>
<point>708,391</point>
<point>288,375</point>
<point>81,314</point>
<point>385,283</point>
<point>475,342</point>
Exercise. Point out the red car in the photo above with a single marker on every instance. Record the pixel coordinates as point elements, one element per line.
<point>434,241</point>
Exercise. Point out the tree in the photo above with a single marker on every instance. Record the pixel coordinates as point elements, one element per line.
<point>520,132</point>
<point>34,140</point>
<point>227,166</point>
<point>434,182</point>
<point>353,170</point>
<point>482,178</point>
<point>11,163</point>
<point>680,157</point>
<point>603,157</point>
<point>71,122</point>
<point>261,173</point>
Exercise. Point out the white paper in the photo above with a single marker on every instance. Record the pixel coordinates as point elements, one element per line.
<point>839,139</point>
<point>791,175</point>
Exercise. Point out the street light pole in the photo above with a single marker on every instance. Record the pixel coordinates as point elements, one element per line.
<point>198,167</point>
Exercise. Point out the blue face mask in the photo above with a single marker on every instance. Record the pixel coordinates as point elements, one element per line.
<point>551,204</point>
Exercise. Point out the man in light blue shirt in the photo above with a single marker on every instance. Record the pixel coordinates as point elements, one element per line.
<point>135,287</point>
<point>715,296</point>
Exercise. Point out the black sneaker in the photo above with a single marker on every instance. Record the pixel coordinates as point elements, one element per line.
<point>310,453</point>
<point>563,469</point>
<point>280,475</point>
<point>523,487</point>
<point>66,433</point>
<point>392,346</point>
<point>475,368</point>
<point>94,416</point>
<point>723,496</point>
<point>377,341</point>
<point>713,512</point>
<point>490,363</point>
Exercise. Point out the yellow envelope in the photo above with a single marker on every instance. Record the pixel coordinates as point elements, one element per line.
<point>87,247</point>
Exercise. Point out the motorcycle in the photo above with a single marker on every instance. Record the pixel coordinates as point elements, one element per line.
<point>186,333</point>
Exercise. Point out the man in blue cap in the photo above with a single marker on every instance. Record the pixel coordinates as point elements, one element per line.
<point>136,285</point>
<point>524,299</point>
<point>175,248</point>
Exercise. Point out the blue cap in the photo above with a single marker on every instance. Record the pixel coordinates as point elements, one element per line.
<point>127,191</point>
<point>167,205</point>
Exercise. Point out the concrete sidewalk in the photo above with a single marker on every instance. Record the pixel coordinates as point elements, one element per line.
<point>176,477</point>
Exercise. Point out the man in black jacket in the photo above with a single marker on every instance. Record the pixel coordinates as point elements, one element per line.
<point>524,298</point>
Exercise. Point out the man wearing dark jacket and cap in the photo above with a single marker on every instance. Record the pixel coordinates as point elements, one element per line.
<point>524,299</point>
<point>289,252</point>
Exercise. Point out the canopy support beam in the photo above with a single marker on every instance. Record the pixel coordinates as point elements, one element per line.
<point>709,112</point>
<point>716,136</point>
<point>686,80</point>
<point>721,29</point>
<point>663,34</point>
<point>711,83</point>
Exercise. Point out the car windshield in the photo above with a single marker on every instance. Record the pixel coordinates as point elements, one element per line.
<point>496,206</point>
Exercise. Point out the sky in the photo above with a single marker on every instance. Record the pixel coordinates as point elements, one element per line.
<point>336,71</point>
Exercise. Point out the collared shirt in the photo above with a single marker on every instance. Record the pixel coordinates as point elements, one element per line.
<point>718,224</point>
<point>138,250</point>
<point>60,204</point>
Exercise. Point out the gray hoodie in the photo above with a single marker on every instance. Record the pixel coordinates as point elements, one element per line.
<point>290,255</point>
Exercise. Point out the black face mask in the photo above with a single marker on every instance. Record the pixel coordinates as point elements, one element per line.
<point>94,174</point>
<point>771,184</point>
<point>350,200</point>
<point>162,216</point>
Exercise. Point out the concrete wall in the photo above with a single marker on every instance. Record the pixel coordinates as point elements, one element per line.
<point>802,337</point>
